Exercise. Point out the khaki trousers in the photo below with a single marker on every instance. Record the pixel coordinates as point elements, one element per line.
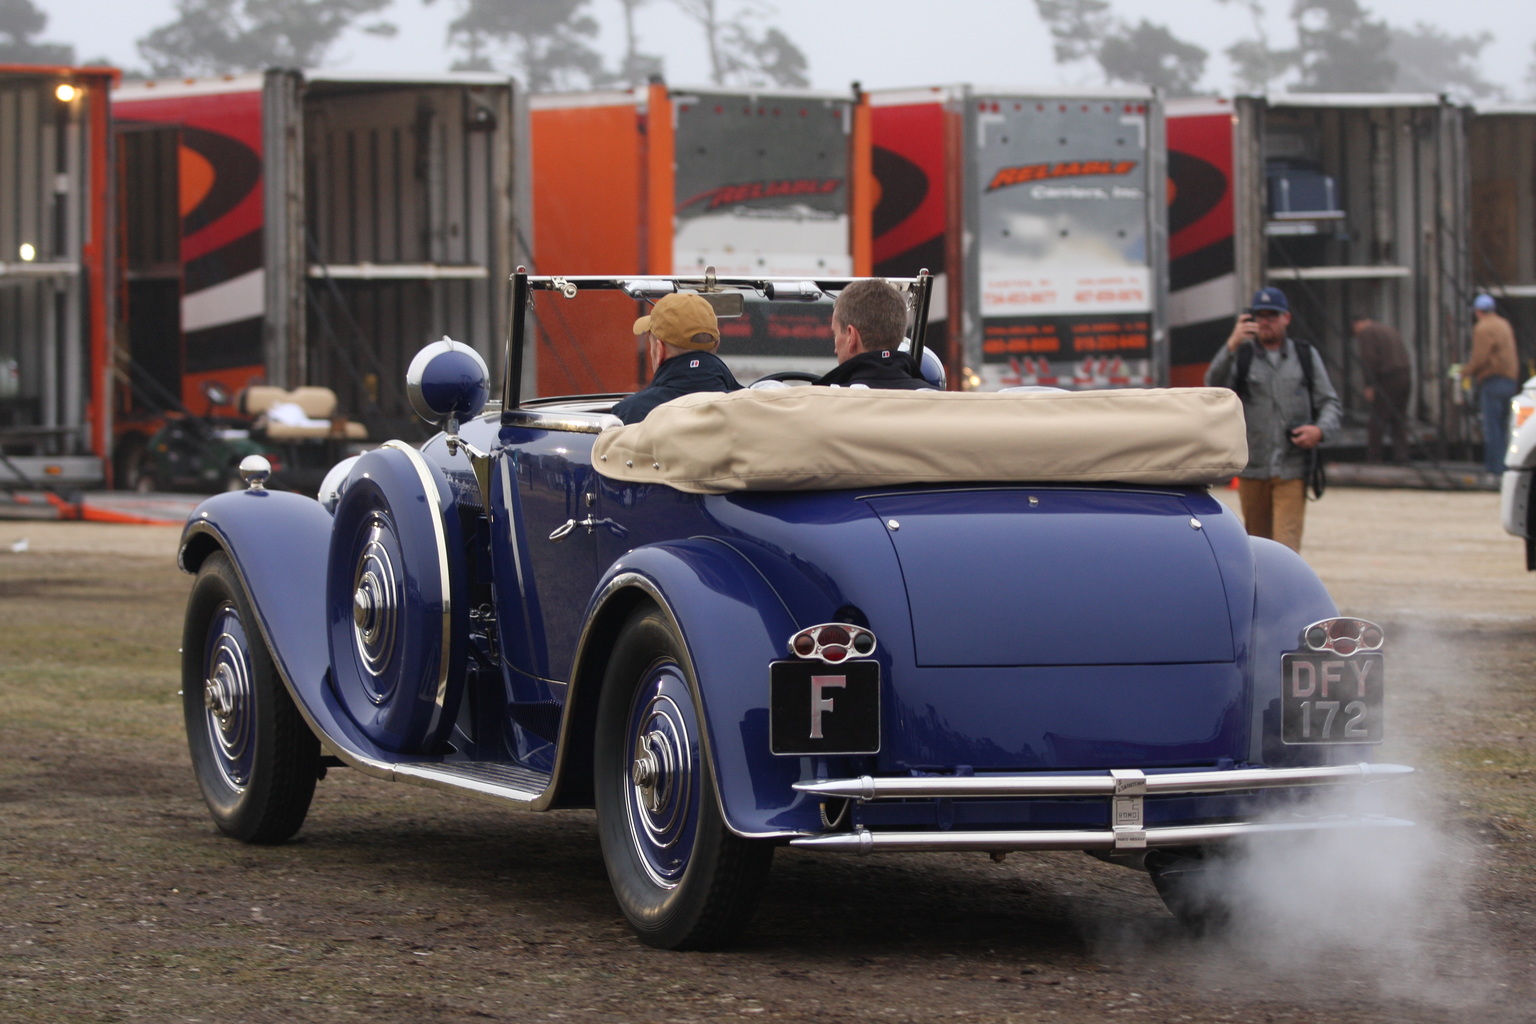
<point>1274,508</point>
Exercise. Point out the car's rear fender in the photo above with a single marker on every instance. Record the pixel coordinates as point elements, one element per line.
<point>733,623</point>
<point>1288,597</point>
<point>279,544</point>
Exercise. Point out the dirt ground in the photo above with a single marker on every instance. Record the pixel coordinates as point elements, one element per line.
<point>403,906</point>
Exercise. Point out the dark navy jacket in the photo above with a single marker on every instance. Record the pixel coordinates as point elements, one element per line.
<point>879,369</point>
<point>678,376</point>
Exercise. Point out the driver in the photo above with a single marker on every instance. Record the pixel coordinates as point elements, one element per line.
<point>682,336</point>
<point>869,320</point>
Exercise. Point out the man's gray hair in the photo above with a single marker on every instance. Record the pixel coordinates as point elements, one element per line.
<point>877,309</point>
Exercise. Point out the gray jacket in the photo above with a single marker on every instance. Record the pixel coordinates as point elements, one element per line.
<point>1277,402</point>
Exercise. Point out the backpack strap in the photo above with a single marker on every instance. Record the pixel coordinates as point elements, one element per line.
<point>1240,375</point>
<point>1245,363</point>
<point>1304,354</point>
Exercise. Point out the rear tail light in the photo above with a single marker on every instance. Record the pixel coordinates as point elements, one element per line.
<point>832,642</point>
<point>1343,636</point>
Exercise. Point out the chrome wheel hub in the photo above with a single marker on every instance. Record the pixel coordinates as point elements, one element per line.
<point>375,605</point>
<point>229,715</point>
<point>219,692</point>
<point>663,782</point>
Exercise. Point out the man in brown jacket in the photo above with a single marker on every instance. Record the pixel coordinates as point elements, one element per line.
<point>1495,367</point>
<point>1387,374</point>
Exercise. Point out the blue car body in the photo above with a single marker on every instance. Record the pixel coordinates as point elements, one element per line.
<point>1059,665</point>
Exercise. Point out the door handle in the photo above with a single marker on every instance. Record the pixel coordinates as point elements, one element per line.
<point>563,530</point>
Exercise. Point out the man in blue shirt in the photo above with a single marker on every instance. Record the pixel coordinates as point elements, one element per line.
<point>682,337</point>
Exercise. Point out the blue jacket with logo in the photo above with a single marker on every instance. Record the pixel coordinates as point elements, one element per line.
<point>680,375</point>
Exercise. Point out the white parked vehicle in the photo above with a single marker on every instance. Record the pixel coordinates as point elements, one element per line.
<point>1515,505</point>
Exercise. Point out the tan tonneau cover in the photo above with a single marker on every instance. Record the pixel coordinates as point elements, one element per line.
<point>815,438</point>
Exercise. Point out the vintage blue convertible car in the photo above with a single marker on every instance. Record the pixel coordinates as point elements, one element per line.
<point>840,619</point>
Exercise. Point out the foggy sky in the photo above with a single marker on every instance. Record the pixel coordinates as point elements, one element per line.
<point>880,43</point>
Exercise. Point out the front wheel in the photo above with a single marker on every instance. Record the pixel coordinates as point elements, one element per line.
<point>682,878</point>
<point>255,759</point>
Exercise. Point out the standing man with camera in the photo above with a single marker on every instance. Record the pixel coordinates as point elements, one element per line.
<point>1290,405</point>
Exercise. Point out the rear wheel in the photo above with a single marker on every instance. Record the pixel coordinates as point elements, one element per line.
<point>255,759</point>
<point>682,878</point>
<point>1188,884</point>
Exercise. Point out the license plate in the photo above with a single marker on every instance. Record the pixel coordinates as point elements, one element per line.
<point>1329,699</point>
<point>815,708</point>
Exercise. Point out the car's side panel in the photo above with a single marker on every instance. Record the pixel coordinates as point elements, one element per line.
<point>540,495</point>
<point>1519,479</point>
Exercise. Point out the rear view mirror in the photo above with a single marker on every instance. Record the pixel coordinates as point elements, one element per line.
<point>725,304</point>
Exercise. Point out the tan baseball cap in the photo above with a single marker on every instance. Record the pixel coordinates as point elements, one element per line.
<point>676,318</point>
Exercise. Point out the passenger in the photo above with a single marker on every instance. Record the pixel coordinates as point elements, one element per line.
<point>683,337</point>
<point>869,321</point>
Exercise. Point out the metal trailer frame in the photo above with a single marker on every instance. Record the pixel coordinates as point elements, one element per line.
<point>1402,168</point>
<point>1501,159</point>
<point>56,276</point>
<point>386,208</point>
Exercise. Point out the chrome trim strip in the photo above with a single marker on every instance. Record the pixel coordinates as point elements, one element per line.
<point>618,282</point>
<point>435,504</point>
<point>864,841</point>
<point>569,421</point>
<point>898,788</point>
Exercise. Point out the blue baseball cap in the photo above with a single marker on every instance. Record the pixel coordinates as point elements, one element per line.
<point>1270,298</point>
<point>1483,303</point>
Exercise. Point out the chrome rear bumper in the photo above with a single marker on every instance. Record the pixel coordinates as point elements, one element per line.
<point>1125,788</point>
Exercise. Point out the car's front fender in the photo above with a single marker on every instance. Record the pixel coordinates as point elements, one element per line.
<point>733,624</point>
<point>279,544</point>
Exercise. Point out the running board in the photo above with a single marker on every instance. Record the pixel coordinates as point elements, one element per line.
<point>864,841</point>
<point>496,780</point>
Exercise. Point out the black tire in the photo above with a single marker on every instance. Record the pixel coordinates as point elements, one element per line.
<point>255,759</point>
<point>682,878</point>
<point>1188,882</point>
